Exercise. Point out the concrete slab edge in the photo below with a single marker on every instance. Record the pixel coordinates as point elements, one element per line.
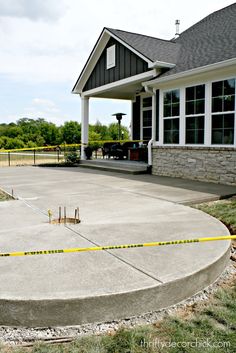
<point>75,311</point>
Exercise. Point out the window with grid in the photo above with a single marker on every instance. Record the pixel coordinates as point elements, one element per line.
<point>194,108</point>
<point>223,112</point>
<point>171,111</point>
<point>147,118</point>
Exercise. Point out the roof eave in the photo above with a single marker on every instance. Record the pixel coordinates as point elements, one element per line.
<point>161,64</point>
<point>191,72</point>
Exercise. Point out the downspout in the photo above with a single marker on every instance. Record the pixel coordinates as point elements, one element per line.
<point>150,142</point>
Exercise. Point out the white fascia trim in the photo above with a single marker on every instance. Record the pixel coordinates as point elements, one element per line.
<point>158,64</point>
<point>94,56</point>
<point>187,73</point>
<point>120,83</point>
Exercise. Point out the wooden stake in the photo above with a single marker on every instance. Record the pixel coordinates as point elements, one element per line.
<point>78,214</point>
<point>75,215</point>
<point>59,214</point>
<point>64,214</point>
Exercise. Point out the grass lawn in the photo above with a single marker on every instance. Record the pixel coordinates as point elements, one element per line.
<point>224,210</point>
<point>207,326</point>
<point>4,197</point>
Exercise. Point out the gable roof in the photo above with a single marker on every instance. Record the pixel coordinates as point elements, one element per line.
<point>154,49</point>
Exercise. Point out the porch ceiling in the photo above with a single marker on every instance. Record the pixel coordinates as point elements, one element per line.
<point>127,92</point>
<point>123,89</point>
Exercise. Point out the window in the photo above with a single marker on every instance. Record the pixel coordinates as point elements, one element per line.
<point>194,130</point>
<point>223,129</point>
<point>194,108</point>
<point>223,96</point>
<point>111,57</point>
<point>171,116</point>
<point>171,103</point>
<point>171,131</point>
<point>223,112</point>
<point>147,118</point>
<point>195,100</point>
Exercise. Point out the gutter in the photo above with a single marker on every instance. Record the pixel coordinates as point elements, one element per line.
<point>195,71</point>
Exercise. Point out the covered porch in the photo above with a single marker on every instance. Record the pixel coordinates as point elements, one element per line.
<point>143,108</point>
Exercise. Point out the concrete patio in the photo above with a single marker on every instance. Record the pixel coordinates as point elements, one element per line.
<point>69,289</point>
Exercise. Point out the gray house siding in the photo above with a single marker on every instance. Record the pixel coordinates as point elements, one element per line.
<point>136,119</point>
<point>127,64</point>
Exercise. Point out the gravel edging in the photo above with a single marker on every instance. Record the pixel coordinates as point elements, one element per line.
<point>14,336</point>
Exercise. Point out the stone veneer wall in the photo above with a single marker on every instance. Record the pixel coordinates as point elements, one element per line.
<point>200,163</point>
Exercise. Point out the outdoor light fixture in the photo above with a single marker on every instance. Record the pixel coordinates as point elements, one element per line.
<point>119,118</point>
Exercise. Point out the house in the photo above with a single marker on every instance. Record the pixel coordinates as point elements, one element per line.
<point>182,93</point>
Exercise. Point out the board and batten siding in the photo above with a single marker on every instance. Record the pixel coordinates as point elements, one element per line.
<point>127,64</point>
<point>136,118</point>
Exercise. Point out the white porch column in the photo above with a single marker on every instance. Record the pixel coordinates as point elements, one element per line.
<point>84,124</point>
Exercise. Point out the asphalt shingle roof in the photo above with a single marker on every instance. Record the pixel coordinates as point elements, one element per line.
<point>151,47</point>
<point>211,40</point>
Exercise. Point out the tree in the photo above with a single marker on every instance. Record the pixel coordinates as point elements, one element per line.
<point>71,132</point>
<point>113,131</point>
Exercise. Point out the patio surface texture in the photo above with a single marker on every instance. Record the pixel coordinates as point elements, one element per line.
<point>70,289</point>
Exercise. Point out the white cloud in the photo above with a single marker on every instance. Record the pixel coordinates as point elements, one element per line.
<point>47,104</point>
<point>33,9</point>
<point>49,41</point>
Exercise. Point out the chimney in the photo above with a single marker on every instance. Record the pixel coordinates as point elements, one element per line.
<point>177,23</point>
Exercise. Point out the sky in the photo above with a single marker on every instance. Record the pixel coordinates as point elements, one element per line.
<point>45,44</point>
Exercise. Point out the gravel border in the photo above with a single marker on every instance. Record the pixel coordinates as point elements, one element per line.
<point>13,336</point>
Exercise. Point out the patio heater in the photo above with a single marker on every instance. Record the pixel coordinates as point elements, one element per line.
<point>119,118</point>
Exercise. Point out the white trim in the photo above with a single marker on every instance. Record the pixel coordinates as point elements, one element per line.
<point>182,121</point>
<point>111,57</point>
<point>154,120</point>
<point>158,64</point>
<point>84,124</point>
<point>93,58</point>
<point>144,110</point>
<point>132,119</point>
<point>141,118</point>
<point>207,124</point>
<point>119,84</point>
<point>161,120</point>
<point>207,115</point>
<point>198,70</point>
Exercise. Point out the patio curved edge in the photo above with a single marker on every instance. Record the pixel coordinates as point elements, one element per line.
<point>114,306</point>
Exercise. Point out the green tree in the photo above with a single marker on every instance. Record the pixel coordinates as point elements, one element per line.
<point>113,131</point>
<point>71,132</point>
<point>100,129</point>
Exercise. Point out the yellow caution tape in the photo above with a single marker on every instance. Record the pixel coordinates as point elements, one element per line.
<point>66,145</point>
<point>113,247</point>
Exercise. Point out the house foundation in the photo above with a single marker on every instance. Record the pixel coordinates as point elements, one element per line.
<point>201,163</point>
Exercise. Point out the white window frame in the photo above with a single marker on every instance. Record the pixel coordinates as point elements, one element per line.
<point>227,112</point>
<point>208,113</point>
<point>111,57</point>
<point>194,116</point>
<point>142,109</point>
<point>162,117</point>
